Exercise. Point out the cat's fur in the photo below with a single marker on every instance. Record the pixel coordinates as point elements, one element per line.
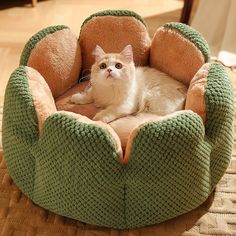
<point>129,90</point>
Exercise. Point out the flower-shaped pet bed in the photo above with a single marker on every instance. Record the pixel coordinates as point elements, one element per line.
<point>86,169</point>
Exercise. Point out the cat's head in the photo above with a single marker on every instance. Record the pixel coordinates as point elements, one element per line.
<point>112,67</point>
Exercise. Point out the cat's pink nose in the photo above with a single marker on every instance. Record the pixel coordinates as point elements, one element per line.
<point>109,70</point>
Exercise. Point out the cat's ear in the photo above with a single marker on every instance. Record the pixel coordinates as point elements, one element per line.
<point>128,53</point>
<point>98,53</point>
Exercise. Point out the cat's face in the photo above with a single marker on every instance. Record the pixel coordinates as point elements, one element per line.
<point>110,68</point>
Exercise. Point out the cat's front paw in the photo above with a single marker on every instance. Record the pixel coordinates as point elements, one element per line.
<point>79,98</point>
<point>106,118</point>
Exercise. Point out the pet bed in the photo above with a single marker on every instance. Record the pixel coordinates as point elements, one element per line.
<point>86,170</point>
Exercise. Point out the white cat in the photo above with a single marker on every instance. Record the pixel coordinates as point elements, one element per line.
<point>120,89</point>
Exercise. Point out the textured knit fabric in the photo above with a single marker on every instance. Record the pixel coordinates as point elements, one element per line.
<point>73,169</point>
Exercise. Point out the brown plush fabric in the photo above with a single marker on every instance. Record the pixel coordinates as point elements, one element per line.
<point>63,102</point>
<point>175,55</point>
<point>113,33</point>
<point>125,125</point>
<point>57,58</point>
<point>42,97</point>
<point>195,97</point>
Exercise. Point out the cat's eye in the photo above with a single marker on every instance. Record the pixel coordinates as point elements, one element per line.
<point>118,65</point>
<point>103,66</point>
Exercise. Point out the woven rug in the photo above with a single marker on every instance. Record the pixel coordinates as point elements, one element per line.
<point>19,216</point>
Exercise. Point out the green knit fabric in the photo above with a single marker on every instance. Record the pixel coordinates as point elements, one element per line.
<point>192,35</point>
<point>168,173</point>
<point>114,13</point>
<point>77,172</point>
<point>20,131</point>
<point>35,39</point>
<point>73,168</point>
<point>219,120</point>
